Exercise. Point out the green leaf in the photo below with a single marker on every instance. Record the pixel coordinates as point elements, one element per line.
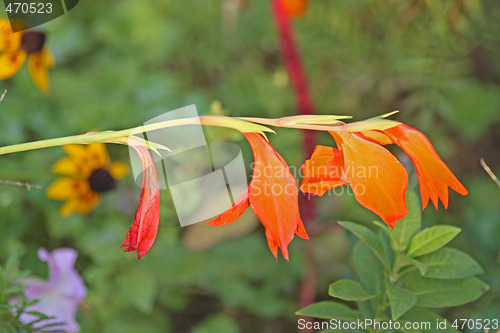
<point>329,310</point>
<point>368,237</point>
<point>349,290</point>
<point>439,293</point>
<point>401,300</point>
<point>448,263</point>
<point>411,223</point>
<point>387,249</point>
<point>431,239</point>
<point>14,290</point>
<point>421,266</point>
<point>424,317</point>
<point>38,314</point>
<point>11,263</point>
<point>220,323</point>
<point>368,268</point>
<point>140,288</point>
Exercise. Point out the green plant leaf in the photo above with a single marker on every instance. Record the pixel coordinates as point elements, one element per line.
<point>439,293</point>
<point>11,263</point>
<point>368,268</point>
<point>220,323</point>
<point>349,290</point>
<point>401,300</point>
<point>140,288</point>
<point>387,249</point>
<point>408,264</point>
<point>448,263</point>
<point>368,237</point>
<point>329,310</point>
<point>420,266</point>
<point>424,317</point>
<point>405,228</point>
<point>431,239</point>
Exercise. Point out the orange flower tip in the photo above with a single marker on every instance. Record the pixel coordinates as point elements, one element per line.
<point>232,213</point>
<point>391,220</point>
<point>301,231</point>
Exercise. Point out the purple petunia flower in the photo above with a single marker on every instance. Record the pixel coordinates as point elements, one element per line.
<point>60,295</point>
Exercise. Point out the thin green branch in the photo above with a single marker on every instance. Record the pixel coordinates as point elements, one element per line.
<point>112,136</point>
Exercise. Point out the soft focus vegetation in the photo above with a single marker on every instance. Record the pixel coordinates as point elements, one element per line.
<point>121,63</point>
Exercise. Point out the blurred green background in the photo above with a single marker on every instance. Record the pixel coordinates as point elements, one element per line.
<point>121,63</point>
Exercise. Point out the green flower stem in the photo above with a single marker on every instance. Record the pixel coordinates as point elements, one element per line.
<point>244,125</point>
<point>113,136</point>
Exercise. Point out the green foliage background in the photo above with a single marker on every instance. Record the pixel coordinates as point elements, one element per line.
<point>120,63</point>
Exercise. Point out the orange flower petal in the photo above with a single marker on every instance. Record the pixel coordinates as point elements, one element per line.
<point>433,175</point>
<point>322,171</point>
<point>142,233</point>
<point>376,137</point>
<point>295,7</point>
<point>231,214</point>
<point>378,180</point>
<point>274,196</point>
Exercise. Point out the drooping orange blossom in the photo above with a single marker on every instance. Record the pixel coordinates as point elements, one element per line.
<point>378,180</point>
<point>273,195</point>
<point>142,233</point>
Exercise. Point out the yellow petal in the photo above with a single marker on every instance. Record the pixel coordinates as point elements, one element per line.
<point>118,170</point>
<point>38,64</point>
<point>10,63</point>
<point>65,188</point>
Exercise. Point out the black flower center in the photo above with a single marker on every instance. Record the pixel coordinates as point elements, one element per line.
<point>32,41</point>
<point>101,181</point>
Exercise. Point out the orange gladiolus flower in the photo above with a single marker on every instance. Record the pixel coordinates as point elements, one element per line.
<point>273,196</point>
<point>142,233</point>
<point>378,180</point>
<point>433,175</point>
<point>295,7</point>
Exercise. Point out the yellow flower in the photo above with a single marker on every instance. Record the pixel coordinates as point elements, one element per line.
<point>16,47</point>
<point>88,173</point>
